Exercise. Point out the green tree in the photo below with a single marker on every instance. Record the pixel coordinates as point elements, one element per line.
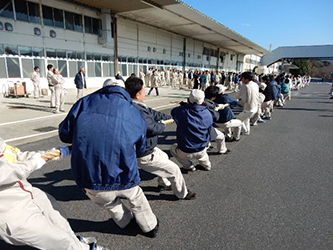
<point>304,66</point>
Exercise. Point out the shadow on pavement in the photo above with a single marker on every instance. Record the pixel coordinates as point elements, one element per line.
<point>107,227</point>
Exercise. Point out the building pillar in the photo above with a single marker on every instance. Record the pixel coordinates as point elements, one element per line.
<point>218,59</point>
<point>184,57</point>
<point>115,47</point>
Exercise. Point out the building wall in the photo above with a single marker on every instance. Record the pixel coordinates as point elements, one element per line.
<point>139,46</point>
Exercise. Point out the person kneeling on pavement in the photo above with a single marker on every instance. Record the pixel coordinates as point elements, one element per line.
<point>154,160</point>
<point>107,134</point>
<point>29,216</point>
<point>210,94</point>
<point>193,131</point>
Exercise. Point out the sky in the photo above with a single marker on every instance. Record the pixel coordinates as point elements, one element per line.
<point>276,22</point>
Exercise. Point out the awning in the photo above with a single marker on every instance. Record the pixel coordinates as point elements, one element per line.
<point>177,17</point>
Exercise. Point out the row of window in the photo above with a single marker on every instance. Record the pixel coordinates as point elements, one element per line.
<point>31,51</point>
<point>30,12</point>
<point>10,67</point>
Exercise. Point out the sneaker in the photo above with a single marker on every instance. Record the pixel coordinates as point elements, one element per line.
<point>87,240</point>
<point>164,188</point>
<point>62,110</point>
<point>245,133</point>
<point>94,246</point>
<point>269,118</point>
<point>261,121</point>
<point>226,152</point>
<point>331,97</point>
<point>55,112</point>
<point>190,195</point>
<point>228,139</point>
<point>254,124</point>
<point>207,168</point>
<point>190,168</point>
<point>234,139</point>
<point>153,233</point>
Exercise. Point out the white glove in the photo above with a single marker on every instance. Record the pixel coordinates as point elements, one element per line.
<point>40,162</point>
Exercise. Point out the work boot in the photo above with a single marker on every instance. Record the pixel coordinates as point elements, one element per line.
<point>153,233</point>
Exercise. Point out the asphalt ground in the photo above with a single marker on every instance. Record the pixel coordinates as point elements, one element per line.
<point>273,191</point>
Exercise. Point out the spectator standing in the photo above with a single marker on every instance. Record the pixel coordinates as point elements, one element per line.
<point>35,78</point>
<point>49,78</point>
<point>58,82</point>
<point>80,82</point>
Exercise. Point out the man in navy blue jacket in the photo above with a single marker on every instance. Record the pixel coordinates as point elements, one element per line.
<point>107,134</point>
<point>154,160</point>
<point>193,131</point>
<point>80,82</point>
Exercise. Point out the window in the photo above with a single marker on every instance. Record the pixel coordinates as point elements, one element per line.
<point>62,64</point>
<point>27,67</point>
<point>6,8</point>
<point>130,69</point>
<point>11,50</point>
<point>53,62</point>
<point>3,68</point>
<point>2,51</point>
<point>48,16</point>
<point>78,23</point>
<point>87,24</point>
<point>58,18</point>
<point>97,57</point>
<point>91,69</point>
<point>37,31</point>
<point>231,57</point>
<point>41,64</point>
<point>51,53</point>
<point>106,70</point>
<point>1,26</point>
<point>72,68</point>
<point>69,18</point>
<point>111,66</point>
<point>90,56</point>
<point>124,69</point>
<point>25,51</point>
<point>8,27</point>
<point>205,51</point>
<point>98,69</point>
<point>106,58</point>
<point>96,24</point>
<point>13,67</point>
<point>61,53</point>
<point>71,54</point>
<point>79,55</point>
<point>34,14</point>
<point>37,52</point>
<point>21,9</point>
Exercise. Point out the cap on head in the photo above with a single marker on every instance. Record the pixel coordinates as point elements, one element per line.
<point>113,82</point>
<point>197,96</point>
<point>221,88</point>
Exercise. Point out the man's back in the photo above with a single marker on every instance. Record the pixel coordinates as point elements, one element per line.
<point>250,95</point>
<point>193,124</point>
<point>106,132</point>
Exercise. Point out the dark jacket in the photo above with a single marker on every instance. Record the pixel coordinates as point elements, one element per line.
<point>193,125</point>
<point>215,115</point>
<point>107,134</point>
<point>80,81</point>
<point>211,105</point>
<point>275,90</point>
<point>268,92</point>
<point>226,99</point>
<point>226,115</point>
<point>154,127</point>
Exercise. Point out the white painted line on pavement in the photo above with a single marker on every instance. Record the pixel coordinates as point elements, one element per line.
<point>29,136</point>
<point>31,119</point>
<point>167,105</point>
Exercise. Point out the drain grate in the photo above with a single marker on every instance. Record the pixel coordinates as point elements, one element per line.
<point>45,129</point>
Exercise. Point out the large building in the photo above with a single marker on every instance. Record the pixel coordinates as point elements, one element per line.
<point>106,36</point>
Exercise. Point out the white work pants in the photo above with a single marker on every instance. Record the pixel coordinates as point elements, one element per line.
<point>232,128</point>
<point>52,100</point>
<point>220,141</point>
<point>79,94</point>
<point>245,117</point>
<point>121,214</point>
<point>59,98</point>
<point>168,172</point>
<point>185,158</point>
